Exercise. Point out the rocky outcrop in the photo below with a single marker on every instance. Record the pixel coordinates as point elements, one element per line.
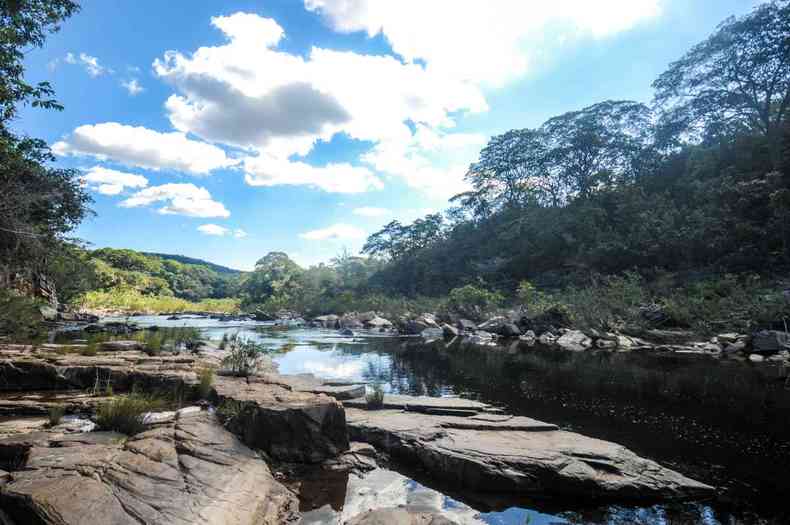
<point>189,471</point>
<point>287,424</point>
<point>499,453</point>
<point>575,341</point>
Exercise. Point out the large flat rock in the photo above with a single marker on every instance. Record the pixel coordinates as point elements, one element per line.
<point>288,425</point>
<point>192,471</point>
<point>525,456</point>
<point>425,404</point>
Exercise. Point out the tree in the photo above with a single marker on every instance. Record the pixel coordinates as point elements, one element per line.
<point>738,79</point>
<point>275,276</point>
<point>597,146</point>
<point>39,204</point>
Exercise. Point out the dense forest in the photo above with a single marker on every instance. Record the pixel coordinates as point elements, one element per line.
<point>683,203</point>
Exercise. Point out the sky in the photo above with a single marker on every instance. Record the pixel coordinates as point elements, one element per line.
<point>226,130</point>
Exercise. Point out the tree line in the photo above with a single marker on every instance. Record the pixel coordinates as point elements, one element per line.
<point>697,180</point>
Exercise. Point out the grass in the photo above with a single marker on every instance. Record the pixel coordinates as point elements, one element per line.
<point>134,301</point>
<point>125,414</point>
<point>206,377</point>
<point>375,398</point>
<point>244,356</point>
<point>55,414</point>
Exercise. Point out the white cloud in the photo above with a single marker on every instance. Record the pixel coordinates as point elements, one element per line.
<point>213,229</point>
<point>335,178</point>
<point>132,86</point>
<point>370,211</point>
<point>89,63</point>
<point>479,40</point>
<point>144,148</point>
<point>112,182</point>
<point>180,199</point>
<point>335,232</point>
<point>221,231</point>
<point>249,94</point>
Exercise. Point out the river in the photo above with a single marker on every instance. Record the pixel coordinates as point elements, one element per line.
<point>723,423</point>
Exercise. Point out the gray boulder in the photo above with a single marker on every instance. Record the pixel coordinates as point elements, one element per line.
<point>466,325</point>
<point>575,341</point>
<point>449,331</point>
<point>770,341</point>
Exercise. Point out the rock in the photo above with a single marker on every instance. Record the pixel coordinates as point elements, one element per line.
<point>350,321</point>
<point>770,341</point>
<point>735,347</point>
<point>528,338</point>
<point>121,346</point>
<point>466,325</point>
<point>431,334</point>
<point>547,339</point>
<point>48,313</point>
<point>346,332</point>
<point>501,326</point>
<point>540,460</point>
<point>756,358</point>
<point>551,319</point>
<point>378,322</point>
<point>286,424</point>
<point>419,324</point>
<point>192,471</point>
<point>327,321</point>
<point>605,344</point>
<point>424,404</point>
<point>449,331</point>
<point>399,516</point>
<point>575,341</point>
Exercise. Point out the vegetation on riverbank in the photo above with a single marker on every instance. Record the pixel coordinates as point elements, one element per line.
<point>128,300</point>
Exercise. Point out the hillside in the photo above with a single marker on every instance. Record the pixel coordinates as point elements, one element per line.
<point>193,261</point>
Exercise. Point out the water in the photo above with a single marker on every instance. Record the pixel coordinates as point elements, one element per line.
<point>723,423</point>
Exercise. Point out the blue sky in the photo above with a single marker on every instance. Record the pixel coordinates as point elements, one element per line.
<point>227,130</point>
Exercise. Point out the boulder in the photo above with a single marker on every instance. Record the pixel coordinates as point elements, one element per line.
<point>575,341</point>
<point>190,471</point>
<point>501,326</point>
<point>121,346</point>
<point>466,325</point>
<point>346,332</point>
<point>449,331</point>
<point>378,322</point>
<point>399,516</point>
<point>500,453</point>
<point>419,324</point>
<point>547,339</point>
<point>549,320</point>
<point>288,425</point>
<point>770,341</point>
<point>48,313</point>
<point>327,321</point>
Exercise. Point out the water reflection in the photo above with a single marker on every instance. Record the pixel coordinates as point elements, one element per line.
<point>722,423</point>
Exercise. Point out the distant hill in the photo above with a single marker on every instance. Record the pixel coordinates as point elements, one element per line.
<point>191,260</point>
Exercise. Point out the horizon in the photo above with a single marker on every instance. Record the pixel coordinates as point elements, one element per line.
<point>250,128</point>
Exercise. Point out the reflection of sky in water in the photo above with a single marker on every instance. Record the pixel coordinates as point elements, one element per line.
<point>329,355</point>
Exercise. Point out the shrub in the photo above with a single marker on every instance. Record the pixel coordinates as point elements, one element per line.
<point>55,414</point>
<point>229,410</point>
<point>244,356</point>
<point>375,398</point>
<point>472,300</point>
<point>125,414</point>
<point>206,377</point>
<point>19,315</point>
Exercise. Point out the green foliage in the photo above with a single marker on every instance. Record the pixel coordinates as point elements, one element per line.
<point>19,315</point>
<point>243,356</point>
<point>124,414</point>
<point>132,300</point>
<point>375,398</point>
<point>229,410</point>
<point>55,414</point>
<point>473,301</point>
<point>206,378</point>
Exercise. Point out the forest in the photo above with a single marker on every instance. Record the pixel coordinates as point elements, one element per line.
<point>681,204</point>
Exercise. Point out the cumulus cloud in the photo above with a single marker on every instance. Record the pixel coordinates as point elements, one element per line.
<point>179,199</point>
<point>144,148</point>
<point>335,232</point>
<point>221,231</point>
<point>370,211</point>
<point>335,178</point>
<point>88,62</point>
<point>486,42</point>
<point>112,182</point>
<point>250,94</point>
<point>133,86</point>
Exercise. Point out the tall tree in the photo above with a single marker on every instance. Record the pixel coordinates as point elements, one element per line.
<point>737,79</point>
<point>39,204</point>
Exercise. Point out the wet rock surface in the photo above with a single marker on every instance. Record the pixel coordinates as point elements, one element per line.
<point>189,471</point>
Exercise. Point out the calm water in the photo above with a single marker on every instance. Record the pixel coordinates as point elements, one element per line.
<point>724,423</point>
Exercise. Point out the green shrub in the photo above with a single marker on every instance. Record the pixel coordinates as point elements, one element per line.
<point>473,301</point>
<point>125,414</point>
<point>244,356</point>
<point>206,377</point>
<point>229,410</point>
<point>55,414</point>
<point>19,315</point>
<point>375,398</point>
<point>129,299</point>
